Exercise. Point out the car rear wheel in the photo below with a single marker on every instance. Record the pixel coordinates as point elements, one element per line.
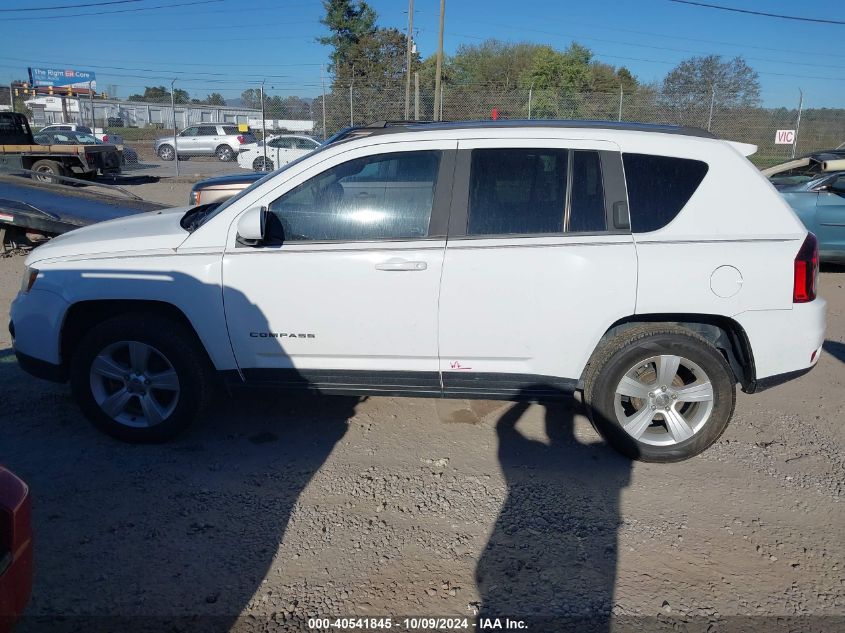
<point>140,378</point>
<point>224,153</point>
<point>166,152</point>
<point>659,393</point>
<point>45,169</point>
<point>260,164</point>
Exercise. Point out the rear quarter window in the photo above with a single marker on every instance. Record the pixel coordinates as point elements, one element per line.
<point>659,187</point>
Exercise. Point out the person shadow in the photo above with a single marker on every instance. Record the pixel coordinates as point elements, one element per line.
<point>552,556</point>
<point>178,536</point>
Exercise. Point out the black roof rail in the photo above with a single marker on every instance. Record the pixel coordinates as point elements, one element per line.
<point>394,127</point>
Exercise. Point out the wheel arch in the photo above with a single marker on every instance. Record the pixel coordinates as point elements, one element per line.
<point>727,335</point>
<point>84,315</point>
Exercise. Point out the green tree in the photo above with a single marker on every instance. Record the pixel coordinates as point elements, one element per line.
<point>215,98</point>
<point>732,83</point>
<point>348,22</point>
<point>160,94</point>
<point>251,98</point>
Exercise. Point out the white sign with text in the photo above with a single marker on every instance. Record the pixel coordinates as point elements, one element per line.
<point>784,137</point>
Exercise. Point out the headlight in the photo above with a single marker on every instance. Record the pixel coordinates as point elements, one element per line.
<point>29,277</point>
<point>194,199</point>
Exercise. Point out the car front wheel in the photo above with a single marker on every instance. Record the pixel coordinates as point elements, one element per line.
<point>224,153</point>
<point>140,378</point>
<point>166,152</point>
<point>659,393</point>
<point>262,164</point>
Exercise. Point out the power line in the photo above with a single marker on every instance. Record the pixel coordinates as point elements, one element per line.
<point>141,61</point>
<point>76,15</point>
<point>659,61</point>
<point>761,13</point>
<point>73,6</point>
<point>655,47</point>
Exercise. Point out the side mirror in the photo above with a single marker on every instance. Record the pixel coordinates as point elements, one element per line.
<point>252,226</point>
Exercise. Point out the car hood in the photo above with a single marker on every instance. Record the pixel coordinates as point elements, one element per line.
<point>146,233</point>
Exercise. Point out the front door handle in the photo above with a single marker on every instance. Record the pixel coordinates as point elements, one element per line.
<point>401,264</point>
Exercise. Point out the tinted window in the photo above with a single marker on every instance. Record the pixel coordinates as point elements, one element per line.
<point>517,191</point>
<point>191,131</point>
<point>337,205</point>
<point>83,128</point>
<point>207,130</point>
<point>280,142</point>
<point>230,129</point>
<point>659,187</point>
<point>587,206</point>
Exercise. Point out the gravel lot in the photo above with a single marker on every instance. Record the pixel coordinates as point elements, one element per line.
<point>275,509</point>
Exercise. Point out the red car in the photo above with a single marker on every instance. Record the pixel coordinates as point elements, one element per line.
<point>15,548</point>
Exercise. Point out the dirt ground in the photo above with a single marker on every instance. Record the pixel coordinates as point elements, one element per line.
<point>276,509</point>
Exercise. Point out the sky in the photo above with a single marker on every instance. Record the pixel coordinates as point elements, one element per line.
<point>228,45</point>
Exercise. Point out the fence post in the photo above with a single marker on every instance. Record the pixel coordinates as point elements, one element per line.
<point>91,102</point>
<point>442,92</point>
<point>175,141</point>
<point>11,98</point>
<point>323,82</point>
<point>712,102</point>
<point>264,129</point>
<point>798,123</point>
<point>620,103</point>
<point>351,118</point>
<point>530,94</point>
<point>416,96</point>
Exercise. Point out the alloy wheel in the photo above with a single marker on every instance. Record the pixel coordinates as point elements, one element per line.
<point>664,400</point>
<point>134,384</point>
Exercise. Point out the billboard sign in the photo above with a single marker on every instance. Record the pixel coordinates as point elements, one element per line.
<point>59,78</point>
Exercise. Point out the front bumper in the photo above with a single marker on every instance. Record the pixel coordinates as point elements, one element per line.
<point>35,326</point>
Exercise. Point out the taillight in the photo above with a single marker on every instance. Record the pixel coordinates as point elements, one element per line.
<point>806,271</point>
<point>105,138</point>
<point>240,139</point>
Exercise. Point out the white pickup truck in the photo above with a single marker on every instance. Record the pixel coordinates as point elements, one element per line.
<point>651,268</point>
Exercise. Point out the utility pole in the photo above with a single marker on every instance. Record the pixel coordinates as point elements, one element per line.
<point>263,128</point>
<point>408,59</point>
<point>439,70</point>
<point>351,117</point>
<point>175,141</point>
<point>12,96</point>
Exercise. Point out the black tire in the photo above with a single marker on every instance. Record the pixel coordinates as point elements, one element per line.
<point>635,345</point>
<point>259,164</point>
<point>166,152</point>
<point>175,343</point>
<point>46,169</point>
<point>224,153</point>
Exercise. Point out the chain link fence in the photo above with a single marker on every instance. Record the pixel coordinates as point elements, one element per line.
<point>139,124</point>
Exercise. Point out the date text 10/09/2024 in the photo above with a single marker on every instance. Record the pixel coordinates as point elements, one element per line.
<point>414,624</point>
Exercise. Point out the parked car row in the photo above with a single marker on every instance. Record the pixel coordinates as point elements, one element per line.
<point>77,137</point>
<point>814,186</point>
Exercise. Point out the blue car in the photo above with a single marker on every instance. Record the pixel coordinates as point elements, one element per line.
<point>820,203</point>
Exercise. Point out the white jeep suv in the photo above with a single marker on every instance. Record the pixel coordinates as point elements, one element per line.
<point>652,268</point>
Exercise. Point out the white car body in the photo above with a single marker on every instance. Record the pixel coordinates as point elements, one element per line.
<point>463,316</point>
<point>105,137</point>
<point>281,150</point>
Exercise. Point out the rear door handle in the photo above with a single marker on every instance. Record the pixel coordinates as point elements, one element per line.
<point>401,264</point>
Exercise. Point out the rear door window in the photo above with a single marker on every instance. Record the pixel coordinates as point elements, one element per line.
<point>659,187</point>
<point>207,130</point>
<point>535,192</point>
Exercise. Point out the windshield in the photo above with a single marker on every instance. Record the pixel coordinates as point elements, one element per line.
<point>216,210</point>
